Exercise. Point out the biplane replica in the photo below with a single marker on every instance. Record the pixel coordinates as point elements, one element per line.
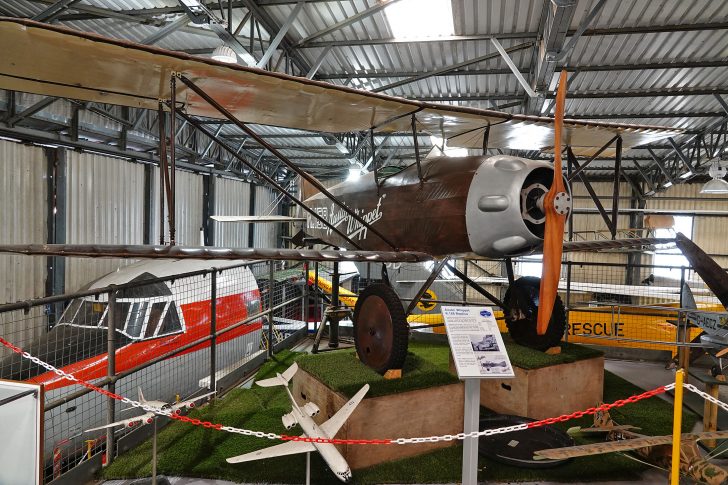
<point>488,207</point>
<point>655,450</point>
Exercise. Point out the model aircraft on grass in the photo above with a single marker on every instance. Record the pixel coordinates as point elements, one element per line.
<point>492,207</point>
<point>655,450</point>
<point>302,415</point>
<point>148,417</point>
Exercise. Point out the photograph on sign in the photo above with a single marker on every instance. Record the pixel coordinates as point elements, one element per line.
<point>476,343</point>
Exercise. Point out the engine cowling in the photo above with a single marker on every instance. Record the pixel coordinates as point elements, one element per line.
<point>504,210</point>
<point>289,421</point>
<point>311,409</point>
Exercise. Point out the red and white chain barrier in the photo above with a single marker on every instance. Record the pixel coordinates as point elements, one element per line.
<point>336,441</point>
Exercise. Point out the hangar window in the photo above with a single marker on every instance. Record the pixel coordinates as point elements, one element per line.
<point>530,265</point>
<point>667,255</point>
<point>420,18</point>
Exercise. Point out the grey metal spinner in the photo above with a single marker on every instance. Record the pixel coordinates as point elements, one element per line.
<point>494,215</point>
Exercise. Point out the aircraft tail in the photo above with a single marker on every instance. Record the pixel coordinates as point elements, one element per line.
<point>141,396</point>
<point>687,300</point>
<point>280,379</point>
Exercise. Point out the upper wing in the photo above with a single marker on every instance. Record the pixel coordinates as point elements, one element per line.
<point>332,426</point>
<point>42,56</point>
<point>290,448</point>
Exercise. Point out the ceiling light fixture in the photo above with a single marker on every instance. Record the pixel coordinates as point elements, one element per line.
<point>223,53</point>
<point>716,185</point>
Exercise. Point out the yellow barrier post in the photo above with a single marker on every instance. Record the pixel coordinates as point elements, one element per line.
<point>676,428</point>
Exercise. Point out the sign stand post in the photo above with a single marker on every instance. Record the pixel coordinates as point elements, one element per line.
<point>471,422</point>
<point>479,353</point>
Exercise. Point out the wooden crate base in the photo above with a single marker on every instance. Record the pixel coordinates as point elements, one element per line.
<point>423,412</point>
<point>546,392</point>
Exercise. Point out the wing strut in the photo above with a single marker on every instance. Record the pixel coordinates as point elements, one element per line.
<point>265,177</point>
<point>282,158</point>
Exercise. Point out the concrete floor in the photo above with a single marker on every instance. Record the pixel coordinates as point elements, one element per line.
<point>647,375</point>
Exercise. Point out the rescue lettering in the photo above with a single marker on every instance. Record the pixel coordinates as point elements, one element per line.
<point>615,329</point>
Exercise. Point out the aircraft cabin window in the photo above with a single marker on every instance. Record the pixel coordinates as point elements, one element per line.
<point>155,316</point>
<point>90,313</point>
<point>136,319</point>
<point>171,322</point>
<point>253,307</point>
<point>70,312</point>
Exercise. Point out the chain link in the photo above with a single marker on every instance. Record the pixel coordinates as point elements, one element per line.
<point>399,441</point>
<point>706,396</point>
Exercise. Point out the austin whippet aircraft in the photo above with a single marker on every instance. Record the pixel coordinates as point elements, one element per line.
<point>303,415</point>
<point>493,207</point>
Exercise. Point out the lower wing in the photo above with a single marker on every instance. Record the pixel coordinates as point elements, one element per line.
<point>290,448</point>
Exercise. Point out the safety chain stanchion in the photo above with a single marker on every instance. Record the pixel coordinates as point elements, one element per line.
<point>336,441</point>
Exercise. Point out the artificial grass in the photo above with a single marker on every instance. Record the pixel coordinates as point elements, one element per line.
<point>426,366</point>
<point>527,358</point>
<point>185,450</point>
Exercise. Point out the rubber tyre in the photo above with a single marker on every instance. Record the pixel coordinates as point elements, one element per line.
<point>523,295</point>
<point>381,341</point>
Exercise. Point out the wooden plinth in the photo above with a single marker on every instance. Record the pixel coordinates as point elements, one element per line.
<point>423,412</point>
<point>546,392</point>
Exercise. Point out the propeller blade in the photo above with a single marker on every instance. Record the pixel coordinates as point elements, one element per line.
<point>555,221</point>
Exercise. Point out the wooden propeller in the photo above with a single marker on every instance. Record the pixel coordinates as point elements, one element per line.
<point>555,219</point>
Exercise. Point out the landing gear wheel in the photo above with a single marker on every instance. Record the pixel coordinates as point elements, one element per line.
<point>381,333</point>
<point>521,310</point>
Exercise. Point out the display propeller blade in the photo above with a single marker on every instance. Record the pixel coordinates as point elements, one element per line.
<point>556,208</point>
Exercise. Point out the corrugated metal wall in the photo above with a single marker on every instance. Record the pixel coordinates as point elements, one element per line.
<point>232,198</point>
<point>23,189</point>
<point>188,209</point>
<point>105,205</point>
<point>265,234</point>
<point>710,233</point>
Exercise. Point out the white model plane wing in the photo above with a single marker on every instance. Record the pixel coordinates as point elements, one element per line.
<point>125,422</point>
<point>284,449</point>
<point>190,403</point>
<point>334,424</point>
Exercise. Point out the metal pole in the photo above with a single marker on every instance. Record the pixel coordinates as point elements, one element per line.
<point>316,313</point>
<point>110,372</point>
<point>308,468</point>
<point>213,327</point>
<point>270,309</point>
<point>162,156</point>
<point>154,451</point>
<point>173,158</point>
<point>465,286</point>
<point>333,319</point>
<point>615,193</point>
<point>676,428</point>
<point>471,423</point>
<point>304,310</point>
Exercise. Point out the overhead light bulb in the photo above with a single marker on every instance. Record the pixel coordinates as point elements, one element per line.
<point>717,185</point>
<point>223,53</point>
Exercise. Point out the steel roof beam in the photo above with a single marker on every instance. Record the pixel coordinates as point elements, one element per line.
<point>698,91</point>
<point>451,67</point>
<point>171,27</point>
<point>645,29</point>
<point>279,36</point>
<point>269,25</point>
<point>52,12</point>
<point>348,21</point>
